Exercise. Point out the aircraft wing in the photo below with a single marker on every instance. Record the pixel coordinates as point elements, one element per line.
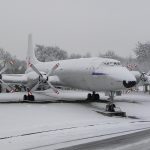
<point>14,78</point>
<point>22,79</point>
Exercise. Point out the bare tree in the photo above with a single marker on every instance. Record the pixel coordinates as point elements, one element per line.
<point>50,53</point>
<point>75,56</point>
<point>87,55</point>
<point>142,51</point>
<point>17,67</point>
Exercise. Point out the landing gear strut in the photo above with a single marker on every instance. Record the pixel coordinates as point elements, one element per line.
<point>111,106</point>
<point>93,96</point>
<point>28,97</point>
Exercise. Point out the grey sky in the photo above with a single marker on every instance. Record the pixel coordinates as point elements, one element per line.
<point>78,26</point>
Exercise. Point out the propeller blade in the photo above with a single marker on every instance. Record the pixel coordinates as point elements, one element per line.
<point>3,69</point>
<point>35,69</point>
<point>6,66</point>
<point>53,88</point>
<point>12,62</point>
<point>1,61</point>
<point>139,69</point>
<point>7,86</point>
<point>143,76</point>
<point>35,87</point>
<point>53,69</point>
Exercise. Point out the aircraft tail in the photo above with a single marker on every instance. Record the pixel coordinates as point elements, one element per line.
<point>31,59</point>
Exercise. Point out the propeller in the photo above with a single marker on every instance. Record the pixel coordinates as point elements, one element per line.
<point>10,89</point>
<point>44,78</point>
<point>3,69</point>
<point>6,64</point>
<point>143,76</point>
<point>11,62</point>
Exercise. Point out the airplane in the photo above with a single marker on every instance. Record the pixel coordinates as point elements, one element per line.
<point>92,74</point>
<point>142,78</point>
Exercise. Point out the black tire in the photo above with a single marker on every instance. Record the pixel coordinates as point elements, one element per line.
<point>28,97</point>
<point>97,97</point>
<point>89,96</point>
<point>32,97</point>
<point>112,108</point>
<point>114,105</point>
<point>25,97</point>
<point>93,97</point>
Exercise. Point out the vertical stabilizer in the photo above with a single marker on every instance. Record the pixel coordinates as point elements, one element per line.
<point>30,52</point>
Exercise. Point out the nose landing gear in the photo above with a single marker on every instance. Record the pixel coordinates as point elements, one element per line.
<point>111,106</point>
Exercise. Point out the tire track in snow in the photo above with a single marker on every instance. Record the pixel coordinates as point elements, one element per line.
<point>86,138</point>
<point>46,131</point>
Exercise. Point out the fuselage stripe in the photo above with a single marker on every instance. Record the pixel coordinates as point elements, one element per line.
<point>98,73</point>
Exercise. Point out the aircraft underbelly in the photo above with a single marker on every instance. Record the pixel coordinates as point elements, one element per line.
<point>103,83</point>
<point>74,81</point>
<point>100,83</point>
<point>90,82</point>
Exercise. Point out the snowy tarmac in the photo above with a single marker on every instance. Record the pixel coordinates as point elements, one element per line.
<point>134,141</point>
<point>59,125</point>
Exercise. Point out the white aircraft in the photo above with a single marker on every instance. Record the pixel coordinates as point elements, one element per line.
<point>142,78</point>
<point>91,74</point>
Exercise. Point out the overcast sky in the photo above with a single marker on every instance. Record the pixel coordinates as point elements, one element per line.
<point>78,26</point>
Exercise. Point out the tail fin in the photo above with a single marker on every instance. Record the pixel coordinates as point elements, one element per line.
<point>31,59</point>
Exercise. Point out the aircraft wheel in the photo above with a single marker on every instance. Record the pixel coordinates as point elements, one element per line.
<point>32,97</point>
<point>97,97</point>
<point>110,107</point>
<point>25,97</point>
<point>89,96</point>
<point>93,97</point>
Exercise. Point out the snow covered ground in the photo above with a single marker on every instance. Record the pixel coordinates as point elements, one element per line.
<point>56,125</point>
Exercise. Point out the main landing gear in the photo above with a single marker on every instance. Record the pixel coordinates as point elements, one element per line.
<point>28,97</point>
<point>93,96</point>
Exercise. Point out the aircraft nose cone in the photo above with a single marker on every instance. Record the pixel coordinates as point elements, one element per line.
<point>122,74</point>
<point>129,84</point>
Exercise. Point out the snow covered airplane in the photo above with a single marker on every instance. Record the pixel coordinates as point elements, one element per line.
<point>142,78</point>
<point>91,74</point>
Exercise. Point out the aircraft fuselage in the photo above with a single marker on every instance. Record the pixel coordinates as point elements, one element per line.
<point>92,74</point>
